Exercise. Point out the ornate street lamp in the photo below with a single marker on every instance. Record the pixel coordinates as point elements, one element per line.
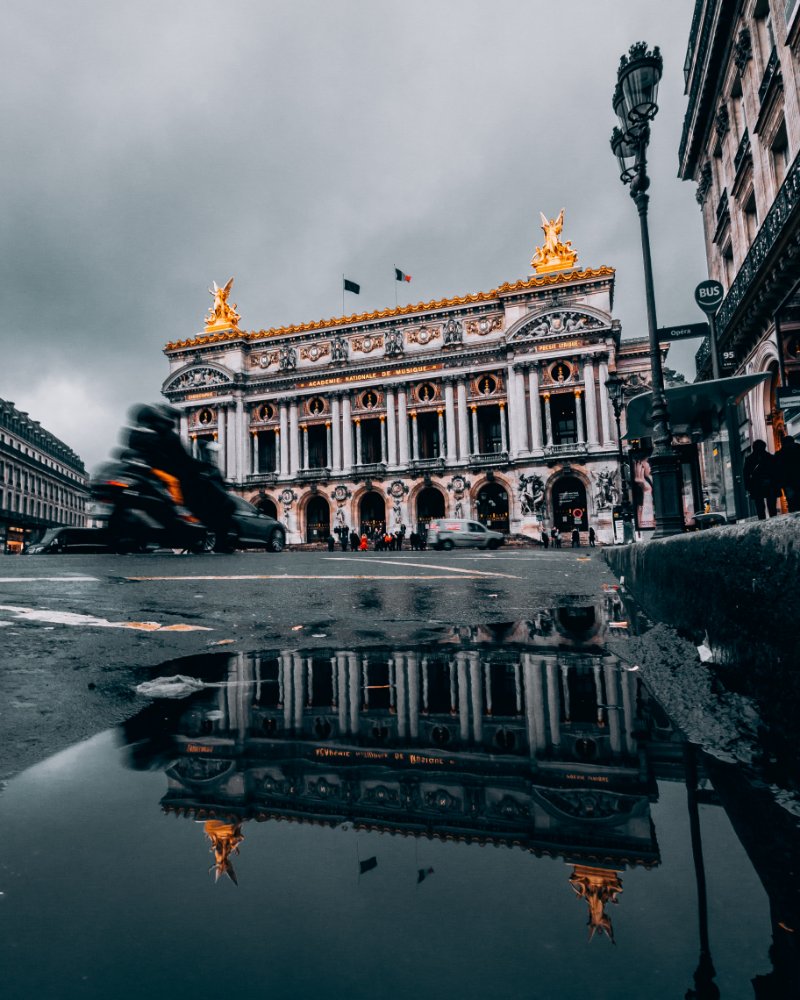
<point>635,105</point>
<point>615,386</point>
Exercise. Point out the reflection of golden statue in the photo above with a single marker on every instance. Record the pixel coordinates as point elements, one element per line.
<point>225,839</point>
<point>222,316</point>
<point>553,255</point>
<point>597,886</point>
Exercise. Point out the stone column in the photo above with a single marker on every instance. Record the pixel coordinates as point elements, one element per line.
<point>475,436</point>
<point>336,423</point>
<point>503,431</point>
<point>548,421</point>
<point>413,694</point>
<point>579,417</point>
<point>355,691</point>
<point>278,451</point>
<point>536,409</point>
<point>347,435</point>
<point>328,445</point>
<point>591,401</point>
<point>341,679</point>
<point>382,420</point>
<point>402,425</point>
<point>294,438</point>
<point>222,441</point>
<point>553,704</point>
<point>298,692</point>
<point>442,437</point>
<point>463,421</point>
<point>305,446</point>
<point>523,443</point>
<point>358,441</point>
<point>183,424</point>
<point>414,436</point>
<point>400,688</point>
<point>605,423</point>
<point>255,453</point>
<point>463,699</point>
<point>391,428</point>
<point>511,410</point>
<point>450,421</point>
<point>475,689</point>
<point>240,430</point>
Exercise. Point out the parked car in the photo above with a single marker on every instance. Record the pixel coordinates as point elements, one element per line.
<point>252,528</point>
<point>59,540</point>
<point>451,532</point>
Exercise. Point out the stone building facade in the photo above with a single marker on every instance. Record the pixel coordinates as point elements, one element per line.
<point>42,482</point>
<point>740,144</point>
<point>490,406</point>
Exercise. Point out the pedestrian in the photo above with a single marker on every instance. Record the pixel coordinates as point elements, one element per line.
<point>761,480</point>
<point>592,537</point>
<point>363,544</point>
<point>787,467</point>
<point>546,539</point>
<point>343,536</point>
<point>576,538</point>
<point>355,541</point>
<point>331,543</point>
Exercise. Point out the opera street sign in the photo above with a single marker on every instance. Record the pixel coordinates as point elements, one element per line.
<point>683,332</point>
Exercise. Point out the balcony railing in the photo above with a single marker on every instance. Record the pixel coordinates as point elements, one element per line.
<point>569,448</point>
<point>488,459</point>
<point>771,73</point>
<point>265,478</point>
<point>370,469</point>
<point>780,216</point>
<point>426,464</point>
<point>311,475</point>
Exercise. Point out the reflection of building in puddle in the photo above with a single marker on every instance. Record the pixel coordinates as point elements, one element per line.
<point>537,750</point>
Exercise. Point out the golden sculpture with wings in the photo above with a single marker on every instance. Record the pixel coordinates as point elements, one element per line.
<point>222,315</point>
<point>553,255</point>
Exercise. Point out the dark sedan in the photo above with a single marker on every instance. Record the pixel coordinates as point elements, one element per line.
<point>254,529</point>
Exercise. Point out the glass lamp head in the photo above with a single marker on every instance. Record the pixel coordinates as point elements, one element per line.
<point>638,77</point>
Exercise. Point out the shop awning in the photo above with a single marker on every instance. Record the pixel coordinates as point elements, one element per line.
<point>688,404</point>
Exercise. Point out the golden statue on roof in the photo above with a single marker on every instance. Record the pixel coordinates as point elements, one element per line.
<point>225,839</point>
<point>222,315</point>
<point>553,255</point>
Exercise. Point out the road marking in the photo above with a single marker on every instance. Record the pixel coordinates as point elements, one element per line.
<point>470,575</point>
<point>405,562</point>
<point>72,618</point>
<point>49,579</point>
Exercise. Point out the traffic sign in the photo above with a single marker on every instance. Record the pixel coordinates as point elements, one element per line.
<point>683,332</point>
<point>709,295</point>
<point>729,361</point>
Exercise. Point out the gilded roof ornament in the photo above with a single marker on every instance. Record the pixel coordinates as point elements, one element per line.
<point>553,255</point>
<point>222,315</point>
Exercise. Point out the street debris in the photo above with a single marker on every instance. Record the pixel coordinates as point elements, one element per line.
<point>71,618</point>
<point>178,686</point>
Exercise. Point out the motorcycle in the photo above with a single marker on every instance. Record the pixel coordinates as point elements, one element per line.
<point>144,507</point>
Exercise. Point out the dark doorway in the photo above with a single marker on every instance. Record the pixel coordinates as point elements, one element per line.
<point>490,438</point>
<point>267,452</point>
<point>428,432</point>
<point>562,410</point>
<point>430,505</point>
<point>370,442</point>
<point>266,506</point>
<point>569,504</point>
<point>372,513</point>
<point>318,446</point>
<point>492,504</point>
<point>318,520</point>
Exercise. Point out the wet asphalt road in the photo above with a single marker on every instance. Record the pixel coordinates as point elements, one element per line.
<point>79,631</point>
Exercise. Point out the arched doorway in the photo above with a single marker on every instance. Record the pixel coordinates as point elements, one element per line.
<point>430,505</point>
<point>266,506</point>
<point>318,519</point>
<point>372,514</point>
<point>492,506</point>
<point>569,504</point>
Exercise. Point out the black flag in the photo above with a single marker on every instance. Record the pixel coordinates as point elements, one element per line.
<point>368,865</point>
<point>351,286</point>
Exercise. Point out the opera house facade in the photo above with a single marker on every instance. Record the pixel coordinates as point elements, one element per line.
<point>490,406</point>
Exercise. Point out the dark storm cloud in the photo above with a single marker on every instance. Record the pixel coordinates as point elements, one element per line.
<point>154,147</point>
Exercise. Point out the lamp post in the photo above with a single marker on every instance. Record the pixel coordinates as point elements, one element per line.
<point>615,386</point>
<point>635,105</point>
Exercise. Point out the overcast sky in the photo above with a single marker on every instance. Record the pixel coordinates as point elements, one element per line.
<point>151,148</point>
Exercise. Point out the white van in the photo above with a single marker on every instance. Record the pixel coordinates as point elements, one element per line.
<point>449,532</point>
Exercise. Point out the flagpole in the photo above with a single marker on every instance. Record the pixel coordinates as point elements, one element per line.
<point>342,294</point>
<point>395,287</point>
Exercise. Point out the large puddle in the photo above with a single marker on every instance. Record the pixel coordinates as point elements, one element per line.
<point>507,813</point>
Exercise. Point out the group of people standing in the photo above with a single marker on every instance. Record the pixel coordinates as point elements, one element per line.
<point>554,537</point>
<point>380,541</point>
<point>766,476</point>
